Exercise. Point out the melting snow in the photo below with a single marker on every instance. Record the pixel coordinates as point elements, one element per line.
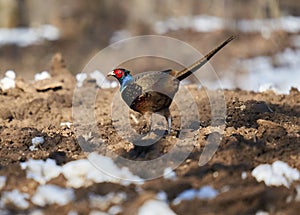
<point>261,74</point>
<point>28,36</point>
<point>98,76</point>
<point>102,81</point>
<point>161,195</point>
<point>277,174</point>
<point>288,24</point>
<point>262,213</point>
<point>205,23</point>
<point>41,171</point>
<point>73,212</point>
<point>106,201</point>
<point>119,35</point>
<point>10,74</point>
<point>111,172</point>
<point>67,124</point>
<point>80,77</point>
<point>244,175</point>
<point>155,207</point>
<point>200,23</point>
<point>205,192</point>
<point>80,172</point>
<point>264,76</point>
<point>116,209</point>
<point>52,194</point>
<point>8,81</point>
<point>42,75</point>
<point>36,141</point>
<point>15,197</point>
<point>169,174</point>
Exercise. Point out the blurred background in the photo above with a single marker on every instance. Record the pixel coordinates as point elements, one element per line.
<point>266,54</point>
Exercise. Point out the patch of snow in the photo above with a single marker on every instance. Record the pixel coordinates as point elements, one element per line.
<point>169,174</point>
<point>8,81</point>
<point>205,23</point>
<point>80,172</point>
<point>153,207</point>
<point>68,124</point>
<point>244,175</point>
<point>101,80</point>
<point>49,32</point>
<point>16,198</point>
<point>28,36</point>
<point>36,141</point>
<point>200,23</point>
<point>262,213</point>
<point>290,24</point>
<point>98,76</point>
<point>162,196</point>
<point>119,35</point>
<point>41,171</point>
<point>205,192</point>
<point>2,181</point>
<point>42,75</point>
<point>52,194</point>
<point>112,171</point>
<point>10,74</point>
<point>106,201</point>
<point>261,74</point>
<point>185,195</point>
<point>116,209</point>
<point>277,174</point>
<point>83,173</point>
<point>80,77</point>
<point>73,212</point>
<point>269,87</point>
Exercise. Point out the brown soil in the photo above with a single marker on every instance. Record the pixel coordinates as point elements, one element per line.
<point>260,128</point>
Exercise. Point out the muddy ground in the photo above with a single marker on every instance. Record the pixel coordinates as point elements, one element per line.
<point>260,128</point>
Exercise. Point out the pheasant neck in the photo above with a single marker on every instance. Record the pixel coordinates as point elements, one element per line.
<point>125,81</point>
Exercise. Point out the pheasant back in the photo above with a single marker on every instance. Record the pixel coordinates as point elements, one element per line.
<point>150,91</point>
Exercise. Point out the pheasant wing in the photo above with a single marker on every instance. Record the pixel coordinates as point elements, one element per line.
<point>150,92</point>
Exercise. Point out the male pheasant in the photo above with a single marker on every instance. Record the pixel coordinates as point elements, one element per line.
<point>153,92</point>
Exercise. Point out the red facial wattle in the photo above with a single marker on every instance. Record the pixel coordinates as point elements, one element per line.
<point>119,73</point>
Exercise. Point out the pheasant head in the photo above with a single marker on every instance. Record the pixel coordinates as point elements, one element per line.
<point>122,75</point>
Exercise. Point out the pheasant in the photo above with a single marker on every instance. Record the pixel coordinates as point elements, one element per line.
<point>153,92</point>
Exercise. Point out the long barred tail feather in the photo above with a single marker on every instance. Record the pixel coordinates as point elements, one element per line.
<point>198,64</point>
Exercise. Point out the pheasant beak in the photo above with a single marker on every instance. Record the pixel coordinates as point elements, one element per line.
<point>111,74</point>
